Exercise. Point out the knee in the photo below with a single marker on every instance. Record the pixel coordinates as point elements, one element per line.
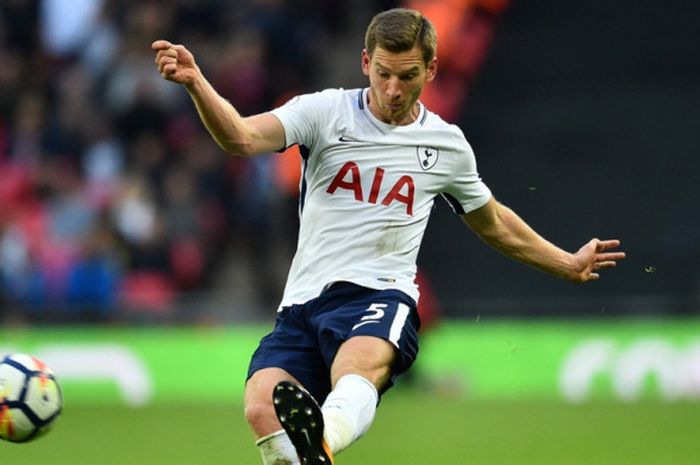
<point>259,415</point>
<point>258,410</point>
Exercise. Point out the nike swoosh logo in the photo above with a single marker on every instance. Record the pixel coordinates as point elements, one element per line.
<point>362,324</point>
<point>344,139</point>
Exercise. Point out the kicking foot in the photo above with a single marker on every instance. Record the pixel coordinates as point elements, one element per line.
<point>301,418</point>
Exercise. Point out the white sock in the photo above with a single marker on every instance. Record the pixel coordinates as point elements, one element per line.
<point>277,449</point>
<point>348,411</point>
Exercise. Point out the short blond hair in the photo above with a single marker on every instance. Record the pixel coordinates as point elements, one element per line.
<point>400,30</point>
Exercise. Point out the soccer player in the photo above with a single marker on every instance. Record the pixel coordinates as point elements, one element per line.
<point>374,160</point>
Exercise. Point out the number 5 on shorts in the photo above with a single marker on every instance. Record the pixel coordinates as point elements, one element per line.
<point>376,313</point>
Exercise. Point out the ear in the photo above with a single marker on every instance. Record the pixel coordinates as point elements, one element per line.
<point>365,62</point>
<point>431,70</point>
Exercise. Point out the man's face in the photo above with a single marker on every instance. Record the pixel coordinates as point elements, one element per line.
<point>396,81</point>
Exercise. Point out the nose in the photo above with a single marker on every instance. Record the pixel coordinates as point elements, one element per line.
<point>393,90</point>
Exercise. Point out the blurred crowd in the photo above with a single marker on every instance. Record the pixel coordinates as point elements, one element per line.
<point>112,194</point>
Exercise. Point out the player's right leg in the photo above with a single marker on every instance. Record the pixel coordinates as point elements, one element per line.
<point>275,446</point>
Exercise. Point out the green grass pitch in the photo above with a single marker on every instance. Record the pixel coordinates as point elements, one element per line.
<point>410,429</point>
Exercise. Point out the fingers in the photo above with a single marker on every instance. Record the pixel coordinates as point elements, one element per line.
<point>602,257</point>
<point>167,57</point>
<point>161,45</point>
<point>603,265</point>
<point>607,257</point>
<point>166,64</point>
<point>595,258</point>
<point>606,260</point>
<point>170,52</point>
<point>174,62</point>
<point>607,244</point>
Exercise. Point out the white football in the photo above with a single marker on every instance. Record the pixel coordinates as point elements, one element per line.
<point>30,398</point>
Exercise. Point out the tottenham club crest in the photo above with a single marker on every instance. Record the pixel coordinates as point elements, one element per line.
<point>427,157</point>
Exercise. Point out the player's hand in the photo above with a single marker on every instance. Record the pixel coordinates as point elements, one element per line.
<point>593,257</point>
<point>175,63</point>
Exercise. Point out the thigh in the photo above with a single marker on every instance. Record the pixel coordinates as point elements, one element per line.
<point>368,356</point>
<point>374,333</point>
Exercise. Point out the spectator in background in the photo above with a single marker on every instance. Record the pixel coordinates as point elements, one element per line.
<point>26,132</point>
<point>66,25</point>
<point>78,94</point>
<point>95,276</point>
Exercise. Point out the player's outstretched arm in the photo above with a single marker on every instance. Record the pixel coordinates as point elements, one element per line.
<point>235,134</point>
<point>503,229</point>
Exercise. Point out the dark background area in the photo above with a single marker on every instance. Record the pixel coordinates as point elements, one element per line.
<point>584,119</point>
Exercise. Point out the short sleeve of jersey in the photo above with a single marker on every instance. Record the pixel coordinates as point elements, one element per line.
<point>302,115</point>
<point>467,191</point>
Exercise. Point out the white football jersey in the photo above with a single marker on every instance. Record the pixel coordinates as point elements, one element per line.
<point>367,189</point>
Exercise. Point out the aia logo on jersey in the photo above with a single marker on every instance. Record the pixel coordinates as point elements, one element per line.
<point>427,157</point>
<point>348,178</point>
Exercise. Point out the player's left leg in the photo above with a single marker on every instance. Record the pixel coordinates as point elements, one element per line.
<point>277,449</point>
<point>274,444</point>
<point>288,353</point>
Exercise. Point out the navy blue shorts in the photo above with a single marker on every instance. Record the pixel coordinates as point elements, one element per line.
<point>306,337</point>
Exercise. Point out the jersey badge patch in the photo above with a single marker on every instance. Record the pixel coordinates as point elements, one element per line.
<point>427,157</point>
